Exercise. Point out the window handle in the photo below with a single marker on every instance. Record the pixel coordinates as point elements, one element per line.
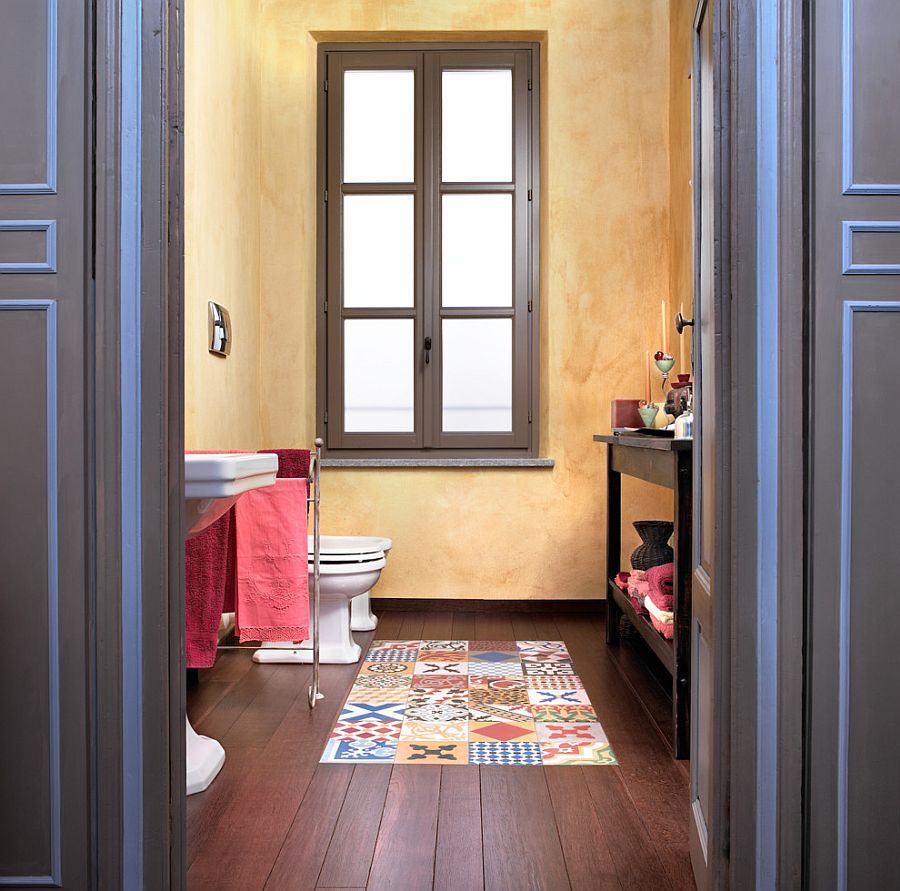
<point>427,350</point>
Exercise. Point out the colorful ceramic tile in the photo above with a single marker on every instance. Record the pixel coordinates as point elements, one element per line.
<point>551,713</point>
<point>372,695</point>
<point>367,729</point>
<point>382,751</point>
<point>430,731</point>
<point>437,681</point>
<point>438,697</point>
<point>548,669</point>
<point>436,712</point>
<point>483,645</point>
<point>563,682</point>
<point>439,694</point>
<point>443,655</point>
<point>575,755</point>
<point>504,753</point>
<point>392,655</point>
<point>459,646</point>
<point>432,753</point>
<point>502,731</point>
<point>456,669</point>
<point>382,681</point>
<point>541,646</point>
<point>489,712</point>
<point>386,668</point>
<point>480,695</point>
<point>394,645</point>
<point>359,711</point>
<point>558,697</point>
<point>499,669</point>
<point>561,656</point>
<point>480,680</point>
<point>491,656</point>
<point>570,732</point>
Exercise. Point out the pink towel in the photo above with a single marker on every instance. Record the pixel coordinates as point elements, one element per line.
<point>209,587</point>
<point>272,595</point>
<point>660,581</point>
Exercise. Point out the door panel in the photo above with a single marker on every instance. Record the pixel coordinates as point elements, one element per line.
<point>43,300</point>
<point>705,322</point>
<point>853,703</point>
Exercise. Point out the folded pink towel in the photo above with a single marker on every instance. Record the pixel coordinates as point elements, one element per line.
<point>634,583</point>
<point>272,593</point>
<point>660,585</point>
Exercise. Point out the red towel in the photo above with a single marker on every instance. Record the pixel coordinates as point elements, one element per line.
<point>272,602</point>
<point>660,580</point>
<point>209,586</point>
<point>292,463</point>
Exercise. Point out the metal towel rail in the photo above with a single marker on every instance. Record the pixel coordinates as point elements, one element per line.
<point>314,498</point>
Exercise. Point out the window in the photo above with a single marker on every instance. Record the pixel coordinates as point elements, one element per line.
<point>428,250</point>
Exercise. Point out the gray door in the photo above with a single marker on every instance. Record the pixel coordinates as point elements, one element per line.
<point>853,692</point>
<point>705,334</point>
<point>43,479</point>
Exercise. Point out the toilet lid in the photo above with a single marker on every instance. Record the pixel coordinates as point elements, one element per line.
<point>351,546</point>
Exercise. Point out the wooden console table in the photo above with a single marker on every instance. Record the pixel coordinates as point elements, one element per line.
<point>665,462</point>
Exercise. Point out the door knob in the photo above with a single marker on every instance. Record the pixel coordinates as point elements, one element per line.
<point>427,350</point>
<point>681,323</point>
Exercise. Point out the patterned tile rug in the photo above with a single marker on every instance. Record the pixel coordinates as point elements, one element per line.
<point>468,702</point>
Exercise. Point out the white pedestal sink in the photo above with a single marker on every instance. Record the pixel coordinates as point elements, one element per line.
<point>212,484</point>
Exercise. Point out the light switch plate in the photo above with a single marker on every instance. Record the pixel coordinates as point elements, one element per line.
<point>219,330</point>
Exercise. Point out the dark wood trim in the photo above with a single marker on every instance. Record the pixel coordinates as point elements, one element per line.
<point>440,604</point>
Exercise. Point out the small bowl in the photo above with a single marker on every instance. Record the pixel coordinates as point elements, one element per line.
<point>648,414</point>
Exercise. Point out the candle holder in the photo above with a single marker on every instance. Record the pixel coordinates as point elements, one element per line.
<point>664,362</point>
<point>648,412</point>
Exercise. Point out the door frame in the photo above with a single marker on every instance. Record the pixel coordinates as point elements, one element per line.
<point>135,384</point>
<point>762,191</point>
<point>766,467</point>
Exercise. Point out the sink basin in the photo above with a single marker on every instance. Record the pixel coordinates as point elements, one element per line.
<point>212,484</point>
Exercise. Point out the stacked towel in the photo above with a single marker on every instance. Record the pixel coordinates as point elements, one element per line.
<point>659,598</point>
<point>635,585</point>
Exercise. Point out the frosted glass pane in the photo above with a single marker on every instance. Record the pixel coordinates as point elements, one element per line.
<point>476,250</point>
<point>476,126</point>
<point>379,250</point>
<point>477,375</point>
<point>378,375</point>
<point>379,126</point>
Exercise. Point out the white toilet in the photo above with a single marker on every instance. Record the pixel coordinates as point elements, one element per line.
<point>349,567</point>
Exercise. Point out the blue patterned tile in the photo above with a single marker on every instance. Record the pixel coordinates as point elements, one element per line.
<point>504,753</point>
<point>372,711</point>
<point>380,751</point>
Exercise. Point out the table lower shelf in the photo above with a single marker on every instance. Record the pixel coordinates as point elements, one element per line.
<point>664,649</point>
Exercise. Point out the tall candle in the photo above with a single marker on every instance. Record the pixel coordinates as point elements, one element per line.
<point>665,328</point>
<point>647,366</point>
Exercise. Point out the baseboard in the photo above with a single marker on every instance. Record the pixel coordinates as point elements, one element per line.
<point>382,604</point>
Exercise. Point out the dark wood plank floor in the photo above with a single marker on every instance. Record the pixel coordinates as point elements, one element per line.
<point>277,819</point>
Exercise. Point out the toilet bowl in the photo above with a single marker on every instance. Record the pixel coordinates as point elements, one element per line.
<point>349,567</point>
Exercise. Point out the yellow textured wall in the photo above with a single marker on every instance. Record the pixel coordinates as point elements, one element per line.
<point>222,182</point>
<point>681,29</point>
<point>605,268</point>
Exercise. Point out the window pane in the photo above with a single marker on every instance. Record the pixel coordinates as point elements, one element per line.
<point>378,376</point>
<point>476,126</point>
<point>476,250</point>
<point>379,125</point>
<point>379,247</point>
<point>477,375</point>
